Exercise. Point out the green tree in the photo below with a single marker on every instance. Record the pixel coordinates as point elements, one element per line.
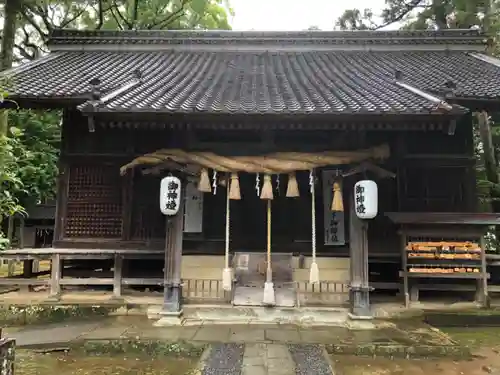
<point>38,18</point>
<point>449,14</point>
<point>420,14</point>
<point>28,161</point>
<point>29,141</point>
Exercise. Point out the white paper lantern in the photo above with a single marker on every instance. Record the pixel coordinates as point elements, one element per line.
<point>170,195</point>
<point>366,199</point>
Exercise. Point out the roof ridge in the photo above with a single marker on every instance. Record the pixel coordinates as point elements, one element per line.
<point>258,38</point>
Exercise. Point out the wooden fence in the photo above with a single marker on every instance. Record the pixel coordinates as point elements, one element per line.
<point>7,355</point>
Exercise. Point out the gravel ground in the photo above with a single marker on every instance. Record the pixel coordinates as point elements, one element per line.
<point>224,359</point>
<point>309,360</point>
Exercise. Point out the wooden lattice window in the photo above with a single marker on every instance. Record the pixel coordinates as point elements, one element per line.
<point>437,189</point>
<point>147,220</point>
<point>94,202</point>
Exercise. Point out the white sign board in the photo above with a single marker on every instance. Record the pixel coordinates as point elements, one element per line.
<point>366,199</point>
<point>334,230</point>
<point>170,195</point>
<point>193,209</point>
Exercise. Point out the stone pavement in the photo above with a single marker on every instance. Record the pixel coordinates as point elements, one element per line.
<point>271,359</point>
<point>138,327</point>
<point>266,359</point>
<point>247,349</point>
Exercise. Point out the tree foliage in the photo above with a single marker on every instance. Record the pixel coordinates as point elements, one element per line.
<point>449,14</point>
<point>38,18</point>
<point>29,140</point>
<point>419,14</point>
<point>28,161</point>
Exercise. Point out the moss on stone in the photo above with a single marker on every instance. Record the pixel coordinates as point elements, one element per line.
<point>150,348</point>
<point>17,315</point>
<point>400,351</point>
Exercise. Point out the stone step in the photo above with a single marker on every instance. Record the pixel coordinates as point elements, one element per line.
<point>265,359</point>
<point>223,359</point>
<point>310,360</point>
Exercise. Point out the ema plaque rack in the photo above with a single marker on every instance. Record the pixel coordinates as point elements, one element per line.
<point>444,258</point>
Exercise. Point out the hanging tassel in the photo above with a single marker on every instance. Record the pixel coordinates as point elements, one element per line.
<point>257,183</point>
<point>234,187</point>
<point>337,201</point>
<point>267,188</point>
<point>223,181</point>
<point>227,272</point>
<point>214,181</point>
<point>269,298</point>
<point>278,184</point>
<point>314,271</point>
<point>292,190</point>
<point>204,183</point>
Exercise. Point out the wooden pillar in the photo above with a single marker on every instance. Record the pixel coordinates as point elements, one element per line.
<point>482,284</point>
<point>359,297</point>
<point>55,277</point>
<point>117,276</point>
<point>61,202</point>
<point>10,236</point>
<point>470,189</point>
<point>27,264</point>
<point>172,303</point>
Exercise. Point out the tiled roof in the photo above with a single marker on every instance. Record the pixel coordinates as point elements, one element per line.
<point>230,72</point>
<point>315,39</point>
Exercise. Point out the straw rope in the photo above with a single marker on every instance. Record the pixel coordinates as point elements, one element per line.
<point>281,162</point>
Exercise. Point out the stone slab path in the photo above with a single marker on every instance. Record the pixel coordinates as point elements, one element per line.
<point>141,328</point>
<point>241,349</point>
<point>224,359</point>
<point>266,359</point>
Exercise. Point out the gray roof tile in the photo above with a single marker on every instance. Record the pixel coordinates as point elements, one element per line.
<point>257,80</point>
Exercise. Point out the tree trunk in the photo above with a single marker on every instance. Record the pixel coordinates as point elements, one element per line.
<point>439,10</point>
<point>490,162</point>
<point>8,39</point>
<point>11,8</point>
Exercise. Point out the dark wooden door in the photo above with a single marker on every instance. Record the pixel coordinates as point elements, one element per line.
<point>249,218</point>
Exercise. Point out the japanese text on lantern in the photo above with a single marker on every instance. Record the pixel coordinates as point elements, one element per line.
<point>360,199</point>
<point>172,195</point>
<point>334,226</point>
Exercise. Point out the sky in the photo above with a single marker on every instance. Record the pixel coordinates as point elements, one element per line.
<point>288,15</point>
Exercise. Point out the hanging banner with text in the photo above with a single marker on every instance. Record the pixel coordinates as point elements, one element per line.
<point>193,209</point>
<point>334,230</point>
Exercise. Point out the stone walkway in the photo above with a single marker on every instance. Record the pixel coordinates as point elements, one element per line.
<point>113,328</point>
<point>266,359</point>
<point>249,349</point>
<point>270,359</point>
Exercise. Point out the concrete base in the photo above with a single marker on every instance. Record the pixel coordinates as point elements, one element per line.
<point>361,324</point>
<point>53,298</point>
<point>252,296</point>
<point>169,319</point>
<point>261,316</point>
<point>164,313</point>
<point>359,317</point>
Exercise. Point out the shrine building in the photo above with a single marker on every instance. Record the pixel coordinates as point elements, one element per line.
<point>268,134</point>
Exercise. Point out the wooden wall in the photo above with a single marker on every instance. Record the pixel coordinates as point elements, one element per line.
<point>100,208</point>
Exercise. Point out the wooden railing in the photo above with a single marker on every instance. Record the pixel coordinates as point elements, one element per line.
<point>7,355</point>
<point>325,293</point>
<point>203,291</point>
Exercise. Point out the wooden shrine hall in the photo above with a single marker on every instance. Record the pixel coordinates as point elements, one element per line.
<point>268,133</point>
